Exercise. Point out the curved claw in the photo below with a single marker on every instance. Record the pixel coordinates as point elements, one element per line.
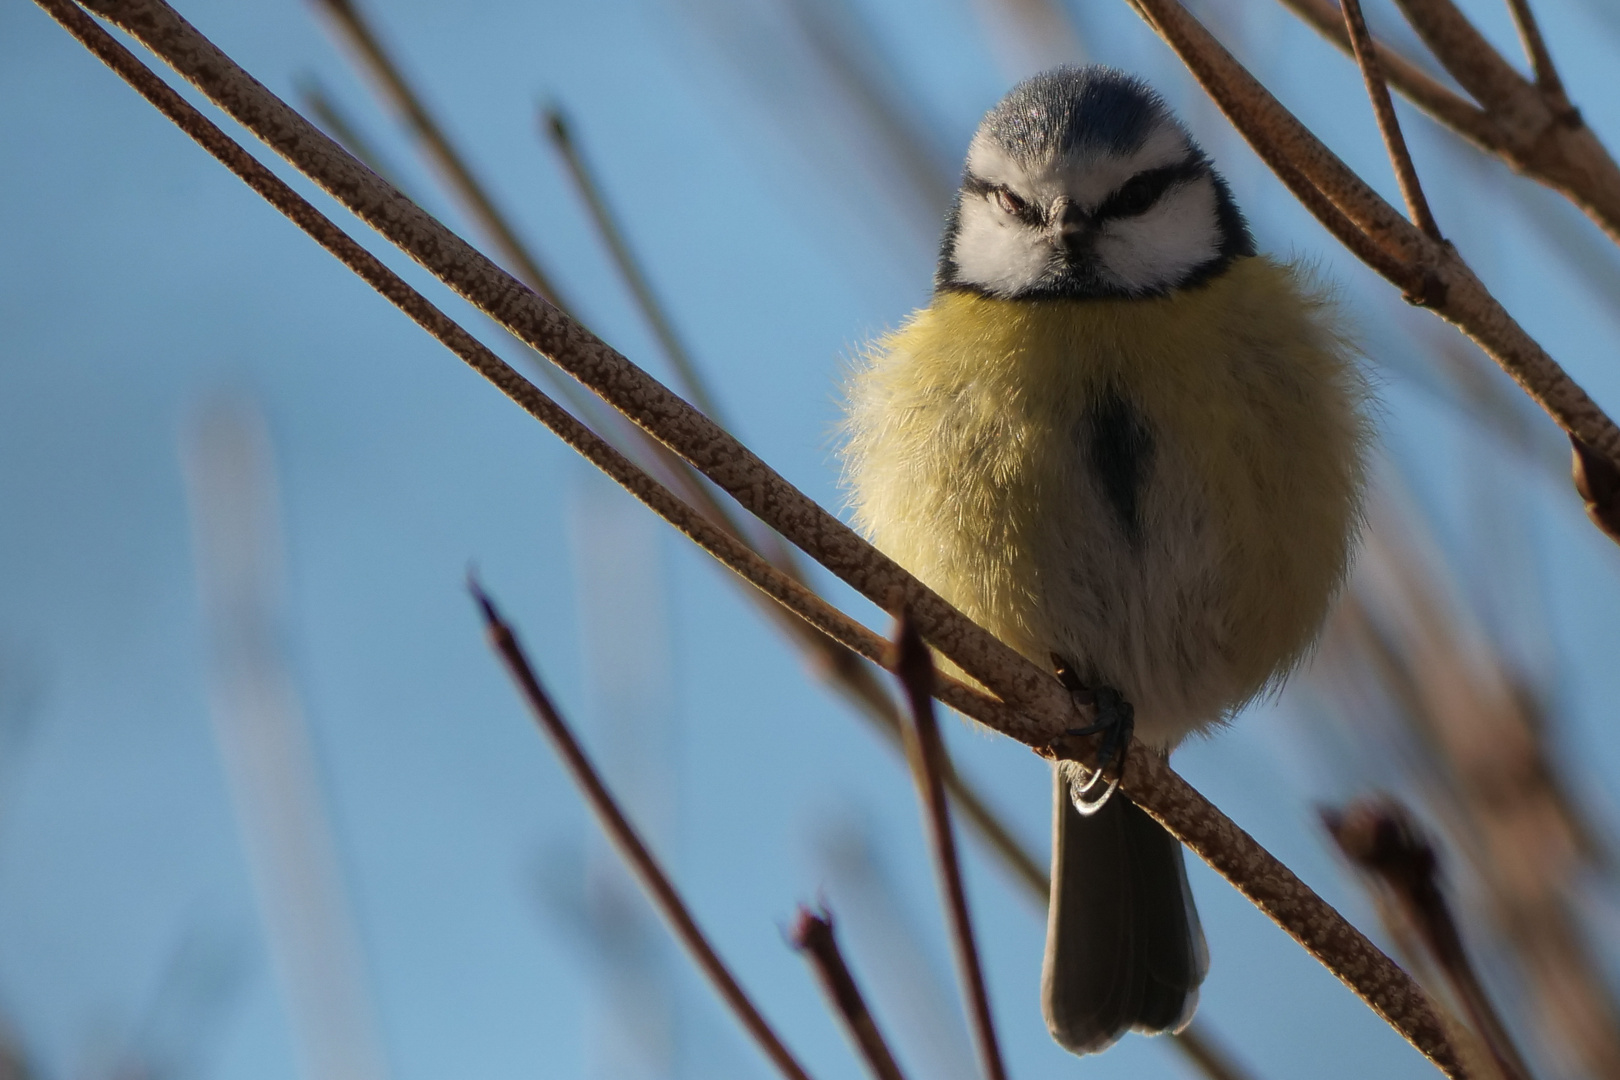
<point>1117,724</point>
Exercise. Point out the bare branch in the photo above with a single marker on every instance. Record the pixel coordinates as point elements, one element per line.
<point>1381,838</point>
<point>1480,69</point>
<point>1389,125</point>
<point>1033,707</point>
<point>1532,127</point>
<point>1206,1055</point>
<point>629,842</point>
<point>915,667</point>
<point>812,935</point>
<point>1275,133</point>
<point>342,127</point>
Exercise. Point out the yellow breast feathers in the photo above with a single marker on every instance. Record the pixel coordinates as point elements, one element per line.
<point>1163,489</point>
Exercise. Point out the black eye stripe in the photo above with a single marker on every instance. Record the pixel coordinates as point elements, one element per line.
<point>1140,192</point>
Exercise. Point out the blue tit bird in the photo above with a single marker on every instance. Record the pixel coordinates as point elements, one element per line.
<point>1132,448</point>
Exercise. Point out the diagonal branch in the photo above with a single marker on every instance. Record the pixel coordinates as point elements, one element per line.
<point>1389,126</point>
<point>915,667</point>
<point>1033,708</point>
<point>629,842</point>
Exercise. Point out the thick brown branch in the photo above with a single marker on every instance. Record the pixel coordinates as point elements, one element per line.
<point>629,842</point>
<point>1389,125</point>
<point>813,935</point>
<point>915,667</point>
<point>1040,710</point>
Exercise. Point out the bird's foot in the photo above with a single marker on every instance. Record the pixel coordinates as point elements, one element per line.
<point>1116,723</point>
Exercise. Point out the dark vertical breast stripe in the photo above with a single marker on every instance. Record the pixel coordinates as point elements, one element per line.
<point>1121,452</point>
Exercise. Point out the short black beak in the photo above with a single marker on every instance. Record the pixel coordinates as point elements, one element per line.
<point>1073,229</point>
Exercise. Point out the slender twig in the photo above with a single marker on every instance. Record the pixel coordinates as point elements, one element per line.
<point>629,842</point>
<point>915,667</point>
<point>1032,706</point>
<point>1389,125</point>
<point>1427,92</point>
<point>839,665</point>
<point>1535,47</point>
<point>1381,838</point>
<point>1207,1055</point>
<point>558,132</point>
<point>467,187</point>
<point>812,935</point>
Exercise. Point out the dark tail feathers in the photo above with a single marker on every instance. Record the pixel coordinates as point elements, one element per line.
<point>1124,950</point>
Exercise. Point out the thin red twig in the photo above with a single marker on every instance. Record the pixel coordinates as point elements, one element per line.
<point>915,667</point>
<point>1389,125</point>
<point>813,936</point>
<point>629,842</point>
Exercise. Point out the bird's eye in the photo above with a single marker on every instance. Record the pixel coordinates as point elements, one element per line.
<point>1137,194</point>
<point>1010,202</point>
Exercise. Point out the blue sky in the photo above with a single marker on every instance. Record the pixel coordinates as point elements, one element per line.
<point>140,281</point>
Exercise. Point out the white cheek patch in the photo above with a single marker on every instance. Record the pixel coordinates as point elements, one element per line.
<point>997,252</point>
<point>1158,248</point>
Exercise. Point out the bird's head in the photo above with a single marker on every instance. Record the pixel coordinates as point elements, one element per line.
<point>1082,184</point>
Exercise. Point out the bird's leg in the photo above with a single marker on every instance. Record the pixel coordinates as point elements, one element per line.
<point>1116,723</point>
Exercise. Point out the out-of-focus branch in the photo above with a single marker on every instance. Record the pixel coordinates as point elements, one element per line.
<point>1478,745</point>
<point>812,935</point>
<point>1380,838</point>
<point>629,842</point>
<point>559,132</point>
<point>1429,271</point>
<point>915,666</point>
<point>477,199</point>
<point>1030,705</point>
<point>1417,207</point>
